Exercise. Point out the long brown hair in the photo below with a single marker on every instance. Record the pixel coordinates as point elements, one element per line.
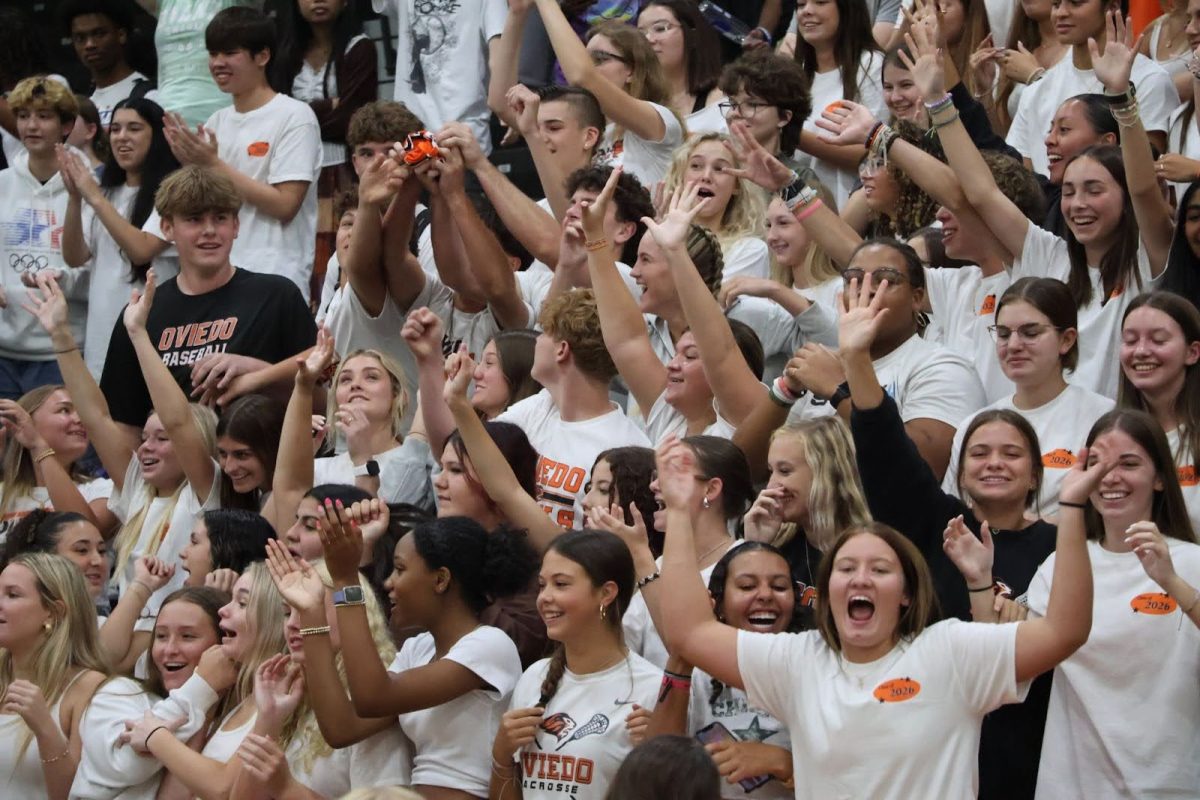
<point>19,475</point>
<point>853,38</point>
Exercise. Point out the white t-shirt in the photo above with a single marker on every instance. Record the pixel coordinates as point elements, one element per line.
<point>472,328</point>
<point>311,85</point>
<point>1124,708</point>
<point>107,97</point>
<point>534,285</point>
<point>382,759</point>
<point>828,293</point>
<point>926,380</point>
<point>110,287</point>
<point>171,534</point>
<point>1184,138</point>
<point>1045,256</point>
<point>732,709</point>
<point>645,160</point>
<point>964,305</point>
<point>442,59</point>
<point>567,450</point>
<point>452,743</point>
<point>1185,466</point>
<point>1156,97</point>
<point>747,256</point>
<point>403,473</point>
<point>582,739</point>
<point>1062,427</point>
<point>275,143</point>
<point>903,726</point>
<point>664,420</point>
<point>707,120</point>
<point>38,497</point>
<point>827,87</point>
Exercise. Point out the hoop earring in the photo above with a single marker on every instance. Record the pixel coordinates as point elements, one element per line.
<point>603,612</point>
<point>706,503</point>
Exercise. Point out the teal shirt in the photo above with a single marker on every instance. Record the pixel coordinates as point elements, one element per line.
<point>184,83</point>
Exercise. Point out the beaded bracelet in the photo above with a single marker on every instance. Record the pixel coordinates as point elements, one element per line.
<point>940,103</point>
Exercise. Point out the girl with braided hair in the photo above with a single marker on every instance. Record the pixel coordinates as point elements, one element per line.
<point>752,590</point>
<point>568,725</point>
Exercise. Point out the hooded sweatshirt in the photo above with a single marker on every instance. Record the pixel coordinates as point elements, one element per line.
<point>31,229</point>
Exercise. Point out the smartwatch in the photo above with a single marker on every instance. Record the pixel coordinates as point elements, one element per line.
<point>841,393</point>
<point>350,596</point>
<point>371,468</point>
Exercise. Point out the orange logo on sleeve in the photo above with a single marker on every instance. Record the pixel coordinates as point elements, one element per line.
<point>1187,475</point>
<point>258,149</point>
<point>1155,603</point>
<point>1059,458</point>
<point>897,690</point>
<point>988,306</point>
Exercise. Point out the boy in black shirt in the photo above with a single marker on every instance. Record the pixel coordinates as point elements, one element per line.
<point>255,320</point>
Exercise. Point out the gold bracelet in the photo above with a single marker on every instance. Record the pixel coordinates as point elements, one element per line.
<point>47,453</point>
<point>319,629</point>
<point>142,584</point>
<point>58,757</point>
<point>1191,605</point>
<point>597,244</point>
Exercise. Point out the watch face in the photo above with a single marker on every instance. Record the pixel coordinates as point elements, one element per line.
<point>351,594</point>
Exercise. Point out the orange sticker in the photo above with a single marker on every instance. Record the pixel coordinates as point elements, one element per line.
<point>897,690</point>
<point>988,306</point>
<point>1059,459</point>
<point>808,598</point>
<point>834,106</point>
<point>258,149</point>
<point>1187,475</point>
<point>1155,603</point>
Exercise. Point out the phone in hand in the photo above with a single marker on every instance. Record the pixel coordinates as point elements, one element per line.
<point>716,732</point>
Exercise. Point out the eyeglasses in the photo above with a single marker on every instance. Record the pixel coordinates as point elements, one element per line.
<point>604,56</point>
<point>894,277</point>
<point>1029,332</point>
<point>869,167</point>
<point>747,109</point>
<point>659,28</point>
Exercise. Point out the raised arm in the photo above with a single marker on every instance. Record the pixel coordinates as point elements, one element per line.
<point>505,59</point>
<point>1044,642</point>
<point>525,104</point>
<point>636,116</point>
<point>736,388</point>
<point>621,323</point>
<point>423,333</point>
<point>753,436</point>
<point>49,305</point>
<point>689,627</point>
<point>1154,218</point>
<point>374,691</point>
<point>169,401</point>
<point>491,469</point>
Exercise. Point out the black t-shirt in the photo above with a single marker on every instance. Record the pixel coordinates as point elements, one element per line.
<point>256,315</point>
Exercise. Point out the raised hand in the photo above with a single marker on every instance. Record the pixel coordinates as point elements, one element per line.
<point>48,305</point>
<point>972,556</point>
<point>1020,64</point>
<point>296,580</point>
<point>817,369</point>
<point>77,176</point>
<point>926,63</point>
<point>862,315</point>
<point>380,180</point>
<point>676,473</point>
<point>758,166</point>
<point>311,368</point>
<point>197,147</point>
<point>1114,65</point>
<point>153,573</point>
<point>138,310</point>
<point>763,521</point>
<point>1145,539</point>
<point>221,579</point>
<point>460,135</point>
<point>592,212</point>
<point>372,517</point>
<point>19,425</point>
<point>218,670</point>
<point>423,333</point>
<point>846,122</point>
<point>613,520</point>
<point>342,542</point>
<point>1083,479</point>
<point>278,690</point>
<point>459,369</point>
<point>984,60</point>
<point>672,232</point>
<point>524,103</point>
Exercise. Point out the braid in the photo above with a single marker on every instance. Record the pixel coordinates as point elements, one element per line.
<point>558,665</point>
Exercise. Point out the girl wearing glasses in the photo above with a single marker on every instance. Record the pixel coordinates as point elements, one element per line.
<point>619,67</point>
<point>689,53</point>
<point>1036,343</point>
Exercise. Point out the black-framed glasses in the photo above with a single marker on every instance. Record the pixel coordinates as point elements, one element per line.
<point>894,277</point>
<point>746,109</point>
<point>604,56</point>
<point>1029,332</point>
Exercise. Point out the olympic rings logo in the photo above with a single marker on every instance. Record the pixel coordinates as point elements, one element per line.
<point>27,262</point>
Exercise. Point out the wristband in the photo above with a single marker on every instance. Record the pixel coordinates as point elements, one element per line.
<point>808,210</point>
<point>146,741</point>
<point>797,194</point>
<point>671,681</point>
<point>1191,605</point>
<point>841,393</point>
<point>1072,505</point>
<point>595,244</point>
<point>781,396</point>
<point>991,587</point>
<point>940,103</point>
<point>766,34</point>
<point>42,456</point>
<point>649,579</point>
<point>315,630</point>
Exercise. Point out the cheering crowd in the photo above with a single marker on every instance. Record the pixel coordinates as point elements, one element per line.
<point>817,416</point>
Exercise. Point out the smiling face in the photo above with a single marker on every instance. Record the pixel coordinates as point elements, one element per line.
<point>244,469</point>
<point>707,169</point>
<point>203,239</point>
<point>236,629</point>
<point>81,543</point>
<point>196,556</point>
<point>1033,353</point>
<point>687,386</point>
<point>567,600</point>
<point>881,190</point>
<point>867,596</point>
<point>492,391</point>
<point>1071,132</point>
<point>786,238</point>
<point>58,423</point>
<point>1154,353</point>
<point>1126,493</point>
<point>411,585</point>
<point>156,455</point>
<point>237,71</point>
<point>1092,202</point>
<point>182,632</point>
<point>130,136</point>
<point>1075,21</point>
<point>662,30</point>
<point>791,474</point>
<point>902,96</point>
<point>997,466</point>
<point>364,385</point>
<point>22,615</point>
<point>817,21</point>
<point>653,276</point>
<point>759,595</point>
